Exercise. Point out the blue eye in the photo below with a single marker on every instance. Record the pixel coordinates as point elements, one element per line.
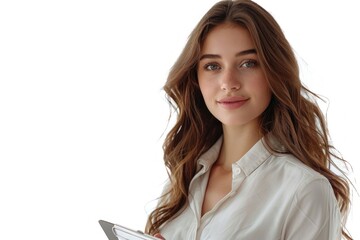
<point>212,67</point>
<point>249,64</point>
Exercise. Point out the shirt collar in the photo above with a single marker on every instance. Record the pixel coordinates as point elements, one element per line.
<point>207,159</point>
<point>256,156</point>
<point>248,163</point>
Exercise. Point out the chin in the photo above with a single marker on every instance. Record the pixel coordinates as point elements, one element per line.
<point>240,122</point>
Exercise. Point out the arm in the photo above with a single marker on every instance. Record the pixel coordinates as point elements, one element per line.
<point>314,213</point>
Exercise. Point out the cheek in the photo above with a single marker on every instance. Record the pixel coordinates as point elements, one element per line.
<point>261,88</point>
<point>259,84</point>
<point>206,88</point>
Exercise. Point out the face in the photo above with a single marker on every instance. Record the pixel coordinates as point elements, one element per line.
<point>231,80</point>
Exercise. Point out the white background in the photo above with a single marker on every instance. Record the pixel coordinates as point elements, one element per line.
<point>82,112</point>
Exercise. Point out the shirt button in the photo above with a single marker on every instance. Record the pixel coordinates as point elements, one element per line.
<point>237,171</point>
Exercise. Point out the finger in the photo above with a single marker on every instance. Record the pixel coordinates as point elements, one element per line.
<point>158,235</point>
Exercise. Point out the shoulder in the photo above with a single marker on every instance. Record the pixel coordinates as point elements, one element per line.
<point>297,179</point>
<point>313,207</point>
<point>294,167</point>
<point>311,189</point>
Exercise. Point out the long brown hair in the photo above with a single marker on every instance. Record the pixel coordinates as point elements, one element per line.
<point>293,116</point>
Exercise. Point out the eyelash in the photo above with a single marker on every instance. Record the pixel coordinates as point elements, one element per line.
<point>251,61</point>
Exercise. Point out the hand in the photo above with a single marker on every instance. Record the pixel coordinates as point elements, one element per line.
<point>158,235</point>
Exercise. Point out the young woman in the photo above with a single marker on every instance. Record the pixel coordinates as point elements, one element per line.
<point>249,156</point>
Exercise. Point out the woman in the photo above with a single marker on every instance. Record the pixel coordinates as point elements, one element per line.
<point>249,156</point>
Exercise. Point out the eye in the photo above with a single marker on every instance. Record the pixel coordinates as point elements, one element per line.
<point>212,67</point>
<point>249,64</point>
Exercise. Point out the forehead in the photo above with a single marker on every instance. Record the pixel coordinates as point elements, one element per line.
<point>227,37</point>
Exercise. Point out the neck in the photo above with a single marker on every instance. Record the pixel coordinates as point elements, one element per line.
<point>237,141</point>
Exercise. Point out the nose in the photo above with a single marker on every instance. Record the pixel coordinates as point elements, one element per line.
<point>230,81</point>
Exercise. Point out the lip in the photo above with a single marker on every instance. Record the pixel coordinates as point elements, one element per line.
<point>232,102</point>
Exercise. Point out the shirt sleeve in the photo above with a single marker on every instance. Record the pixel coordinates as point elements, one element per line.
<point>314,213</point>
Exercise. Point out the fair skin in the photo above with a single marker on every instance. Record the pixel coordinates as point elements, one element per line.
<point>236,92</point>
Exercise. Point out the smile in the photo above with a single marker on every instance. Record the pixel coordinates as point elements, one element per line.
<point>232,102</point>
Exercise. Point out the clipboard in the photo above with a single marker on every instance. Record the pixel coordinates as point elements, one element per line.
<point>118,232</point>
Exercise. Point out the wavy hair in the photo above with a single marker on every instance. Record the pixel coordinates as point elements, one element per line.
<point>292,117</point>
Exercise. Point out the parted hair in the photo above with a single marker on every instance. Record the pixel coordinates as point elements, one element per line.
<point>293,116</point>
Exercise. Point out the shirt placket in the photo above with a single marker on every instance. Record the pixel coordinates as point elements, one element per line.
<point>238,177</point>
<point>195,199</point>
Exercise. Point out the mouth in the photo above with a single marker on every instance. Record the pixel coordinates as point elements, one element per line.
<point>232,102</point>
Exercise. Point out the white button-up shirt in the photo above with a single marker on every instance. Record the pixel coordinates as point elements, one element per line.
<point>272,197</point>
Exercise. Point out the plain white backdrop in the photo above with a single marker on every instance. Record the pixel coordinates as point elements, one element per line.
<point>82,113</point>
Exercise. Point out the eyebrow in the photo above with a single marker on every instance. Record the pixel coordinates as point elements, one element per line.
<point>245,52</point>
